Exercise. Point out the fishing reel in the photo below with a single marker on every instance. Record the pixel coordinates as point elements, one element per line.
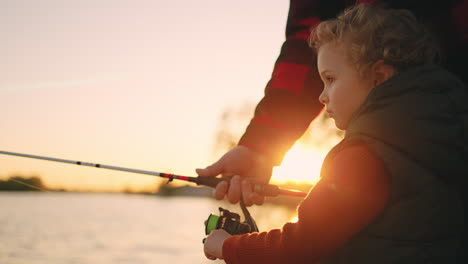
<point>230,222</point>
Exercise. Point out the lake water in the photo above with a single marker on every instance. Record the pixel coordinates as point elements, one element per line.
<point>69,228</point>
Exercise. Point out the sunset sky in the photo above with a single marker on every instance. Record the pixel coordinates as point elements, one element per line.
<point>139,84</point>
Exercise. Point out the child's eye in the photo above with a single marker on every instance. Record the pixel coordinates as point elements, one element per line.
<point>330,79</point>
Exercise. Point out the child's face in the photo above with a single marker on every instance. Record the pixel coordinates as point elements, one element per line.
<point>344,88</point>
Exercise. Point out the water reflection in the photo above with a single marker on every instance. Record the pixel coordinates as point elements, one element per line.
<point>71,228</point>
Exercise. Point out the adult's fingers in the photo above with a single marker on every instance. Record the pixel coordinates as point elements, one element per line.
<point>220,191</point>
<point>246,192</point>
<point>256,198</point>
<point>251,197</point>
<point>234,192</point>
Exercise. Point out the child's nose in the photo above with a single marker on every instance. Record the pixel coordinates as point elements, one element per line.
<point>323,98</point>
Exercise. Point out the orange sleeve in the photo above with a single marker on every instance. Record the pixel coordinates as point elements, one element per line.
<point>353,191</point>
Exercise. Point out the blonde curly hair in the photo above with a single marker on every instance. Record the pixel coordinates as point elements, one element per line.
<point>371,32</point>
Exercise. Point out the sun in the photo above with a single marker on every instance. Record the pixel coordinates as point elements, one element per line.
<point>301,164</point>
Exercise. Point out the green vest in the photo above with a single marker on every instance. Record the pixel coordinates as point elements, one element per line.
<point>417,123</point>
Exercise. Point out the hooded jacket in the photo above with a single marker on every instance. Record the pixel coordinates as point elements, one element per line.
<point>417,123</point>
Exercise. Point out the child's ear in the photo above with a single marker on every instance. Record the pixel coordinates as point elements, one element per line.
<point>382,72</point>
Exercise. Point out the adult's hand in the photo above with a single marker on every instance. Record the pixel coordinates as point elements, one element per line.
<point>244,166</point>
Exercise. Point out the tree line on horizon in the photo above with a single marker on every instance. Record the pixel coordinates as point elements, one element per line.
<point>22,183</point>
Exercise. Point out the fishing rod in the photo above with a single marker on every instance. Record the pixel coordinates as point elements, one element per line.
<point>263,189</point>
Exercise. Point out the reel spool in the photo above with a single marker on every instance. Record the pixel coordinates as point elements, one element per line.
<point>228,221</point>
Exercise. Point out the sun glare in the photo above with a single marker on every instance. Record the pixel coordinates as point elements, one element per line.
<point>301,164</point>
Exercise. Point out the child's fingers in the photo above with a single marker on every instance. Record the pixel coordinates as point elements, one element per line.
<point>208,255</point>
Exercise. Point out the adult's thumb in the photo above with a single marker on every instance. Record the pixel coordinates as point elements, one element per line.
<point>211,171</point>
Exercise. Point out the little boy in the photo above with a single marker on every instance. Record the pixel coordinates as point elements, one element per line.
<point>390,191</point>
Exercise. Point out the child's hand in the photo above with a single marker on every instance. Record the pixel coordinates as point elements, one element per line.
<point>214,244</point>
